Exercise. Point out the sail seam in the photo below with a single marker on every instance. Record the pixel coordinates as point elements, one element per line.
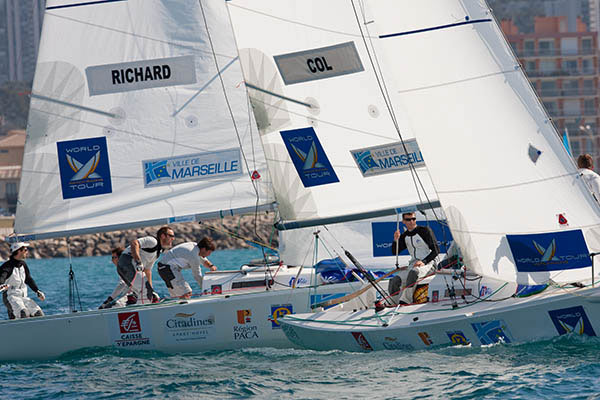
<point>435,28</point>
<point>509,186</point>
<point>89,3</point>
<point>504,72</point>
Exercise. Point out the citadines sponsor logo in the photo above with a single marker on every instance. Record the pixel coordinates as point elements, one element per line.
<point>84,167</point>
<point>183,327</point>
<point>308,157</point>
<point>130,333</point>
<point>137,75</point>
<point>192,167</point>
<point>549,251</point>
<point>388,158</point>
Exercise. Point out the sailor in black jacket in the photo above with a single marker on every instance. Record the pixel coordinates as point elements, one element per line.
<point>14,276</point>
<point>423,249</point>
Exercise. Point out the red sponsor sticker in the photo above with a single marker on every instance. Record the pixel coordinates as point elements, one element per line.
<point>129,322</point>
<point>244,316</point>
<point>362,341</point>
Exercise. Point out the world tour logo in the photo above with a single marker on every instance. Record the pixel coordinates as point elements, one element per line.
<point>572,320</point>
<point>549,251</point>
<point>308,157</point>
<point>193,167</point>
<point>84,167</point>
<point>388,158</point>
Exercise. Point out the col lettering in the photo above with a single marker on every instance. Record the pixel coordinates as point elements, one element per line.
<point>318,64</point>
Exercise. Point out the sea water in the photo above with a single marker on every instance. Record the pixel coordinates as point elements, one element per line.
<point>567,367</point>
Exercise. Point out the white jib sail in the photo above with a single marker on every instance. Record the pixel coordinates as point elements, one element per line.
<point>512,195</point>
<point>331,144</point>
<point>138,116</point>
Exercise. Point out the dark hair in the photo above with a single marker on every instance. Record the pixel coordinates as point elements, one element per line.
<point>585,161</point>
<point>207,243</point>
<point>407,213</point>
<point>117,250</point>
<point>163,231</point>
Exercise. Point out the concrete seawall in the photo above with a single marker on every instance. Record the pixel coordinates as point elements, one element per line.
<point>259,229</point>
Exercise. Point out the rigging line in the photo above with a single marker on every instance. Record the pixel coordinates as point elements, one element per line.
<point>72,105</point>
<point>526,232</point>
<point>156,139</point>
<point>500,187</point>
<point>137,35</point>
<point>387,100</point>
<point>294,22</point>
<point>473,78</point>
<point>207,84</point>
<point>88,3</point>
<point>280,96</point>
<point>435,28</point>
<point>237,133</point>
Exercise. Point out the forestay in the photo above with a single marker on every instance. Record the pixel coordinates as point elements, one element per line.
<point>333,149</point>
<point>512,195</point>
<point>138,117</point>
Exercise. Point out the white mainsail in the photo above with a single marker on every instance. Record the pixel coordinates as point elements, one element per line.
<point>513,198</point>
<point>138,116</point>
<point>333,149</point>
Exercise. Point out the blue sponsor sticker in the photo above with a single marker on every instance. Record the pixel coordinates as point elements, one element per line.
<point>388,158</point>
<point>191,167</point>
<point>491,332</point>
<point>457,337</point>
<point>84,167</point>
<point>308,157</point>
<point>572,319</point>
<point>278,311</point>
<point>554,251</point>
<point>321,298</point>
<point>383,236</point>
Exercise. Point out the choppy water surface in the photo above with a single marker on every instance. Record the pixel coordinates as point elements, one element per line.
<point>567,367</point>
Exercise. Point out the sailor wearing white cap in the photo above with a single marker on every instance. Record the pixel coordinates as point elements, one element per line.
<point>14,276</point>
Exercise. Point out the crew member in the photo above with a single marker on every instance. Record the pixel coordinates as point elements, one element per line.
<point>586,168</point>
<point>187,255</point>
<point>423,249</point>
<point>14,275</point>
<point>113,300</point>
<point>136,261</point>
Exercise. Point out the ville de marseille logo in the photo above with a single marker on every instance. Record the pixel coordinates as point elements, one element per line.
<point>84,167</point>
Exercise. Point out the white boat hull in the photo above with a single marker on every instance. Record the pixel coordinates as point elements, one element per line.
<point>554,312</point>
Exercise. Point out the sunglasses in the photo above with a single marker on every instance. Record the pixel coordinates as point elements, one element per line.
<point>171,236</point>
<point>115,257</point>
<point>410,219</point>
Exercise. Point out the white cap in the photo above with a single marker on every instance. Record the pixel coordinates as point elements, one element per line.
<point>16,246</point>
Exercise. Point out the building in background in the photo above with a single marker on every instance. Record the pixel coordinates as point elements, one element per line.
<point>562,65</point>
<point>20,28</point>
<point>11,158</point>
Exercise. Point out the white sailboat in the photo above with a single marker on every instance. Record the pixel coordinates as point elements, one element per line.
<point>443,73</point>
<point>139,117</point>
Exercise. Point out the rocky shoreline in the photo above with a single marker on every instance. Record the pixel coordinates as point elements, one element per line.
<point>258,229</point>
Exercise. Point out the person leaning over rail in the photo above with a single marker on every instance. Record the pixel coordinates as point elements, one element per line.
<point>136,261</point>
<point>185,256</point>
<point>113,300</point>
<point>14,275</point>
<point>586,166</point>
<point>423,249</point>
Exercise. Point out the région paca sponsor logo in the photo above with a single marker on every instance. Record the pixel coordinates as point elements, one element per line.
<point>244,330</point>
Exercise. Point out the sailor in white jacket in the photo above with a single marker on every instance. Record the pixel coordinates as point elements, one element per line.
<point>187,255</point>
<point>14,279</point>
<point>592,179</point>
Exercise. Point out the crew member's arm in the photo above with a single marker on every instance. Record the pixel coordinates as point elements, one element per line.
<point>429,238</point>
<point>208,264</point>
<point>31,283</point>
<point>399,244</point>
<point>148,273</point>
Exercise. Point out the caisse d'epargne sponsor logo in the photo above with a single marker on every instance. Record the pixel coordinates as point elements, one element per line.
<point>131,333</point>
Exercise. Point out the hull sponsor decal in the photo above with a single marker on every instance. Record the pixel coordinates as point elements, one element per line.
<point>138,75</point>
<point>549,251</point>
<point>128,330</point>
<point>84,167</point>
<point>322,63</point>
<point>425,338</point>
<point>308,157</point>
<point>192,167</point>
<point>572,320</point>
<point>387,158</point>
<point>279,311</point>
<point>244,330</point>
<point>457,337</point>
<point>187,327</point>
<point>492,332</point>
<point>362,341</point>
<point>391,343</point>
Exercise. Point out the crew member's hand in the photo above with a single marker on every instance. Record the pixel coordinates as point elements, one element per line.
<point>213,267</point>
<point>3,287</point>
<point>397,235</point>
<point>138,265</point>
<point>155,297</point>
<point>418,263</point>
<point>107,303</point>
<point>41,295</point>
